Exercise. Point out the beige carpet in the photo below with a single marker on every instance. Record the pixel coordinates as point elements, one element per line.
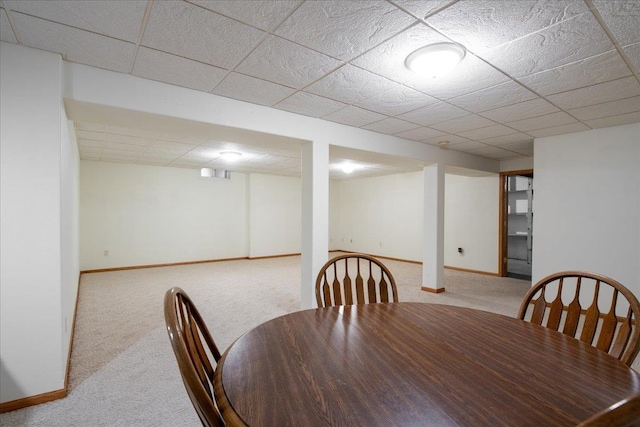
<point>122,366</point>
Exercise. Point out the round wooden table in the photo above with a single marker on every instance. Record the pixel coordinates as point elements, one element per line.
<point>413,364</point>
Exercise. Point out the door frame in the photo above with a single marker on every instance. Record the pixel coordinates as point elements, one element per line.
<point>502,218</point>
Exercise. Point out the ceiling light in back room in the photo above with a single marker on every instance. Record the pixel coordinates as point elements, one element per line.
<point>435,60</point>
<point>230,156</point>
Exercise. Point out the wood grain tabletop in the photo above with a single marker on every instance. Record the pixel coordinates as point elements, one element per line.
<point>413,364</point>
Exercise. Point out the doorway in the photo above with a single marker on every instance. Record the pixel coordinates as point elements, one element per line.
<point>516,211</point>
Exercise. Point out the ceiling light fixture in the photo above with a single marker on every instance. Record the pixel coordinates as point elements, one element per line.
<point>348,167</point>
<point>230,156</point>
<point>215,173</point>
<point>435,60</point>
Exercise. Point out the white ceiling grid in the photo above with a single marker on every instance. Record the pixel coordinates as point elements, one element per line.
<point>534,68</point>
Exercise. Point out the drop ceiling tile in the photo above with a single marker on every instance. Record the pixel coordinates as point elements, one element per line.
<point>94,127</point>
<point>187,140</point>
<point>343,29</point>
<point>518,147</point>
<point>90,151</point>
<point>622,17</point>
<point>187,163</point>
<point>309,104</point>
<point>154,161</point>
<point>559,130</point>
<point>76,45</point>
<point>388,58</point>
<point>566,42</point>
<point>265,15</point>
<point>90,143</point>
<point>597,69</point>
<point>350,84</point>
<point>493,97</point>
<point>420,134</point>
<point>507,139</point>
<point>607,109</point>
<point>521,111</point>
<point>451,139</point>
<point>553,119</point>
<point>633,53</point>
<point>621,119</point>
<point>87,134</point>
<point>391,126</point>
<point>6,33</point>
<point>354,116</point>
<point>471,75</point>
<point>467,146</point>
<point>422,8</point>
<point>118,19</point>
<point>140,133</point>
<point>481,25</point>
<point>493,152</point>
<point>175,70</point>
<point>251,89</point>
<point>596,94</point>
<point>118,152</point>
<point>281,61</point>
<point>397,100</point>
<point>202,152</point>
<point>124,147</point>
<point>487,132</point>
<point>133,141</point>
<point>463,124</point>
<point>168,148</point>
<point>187,30</point>
<point>432,114</point>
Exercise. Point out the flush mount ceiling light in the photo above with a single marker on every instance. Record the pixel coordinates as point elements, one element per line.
<point>230,156</point>
<point>435,60</point>
<point>348,167</point>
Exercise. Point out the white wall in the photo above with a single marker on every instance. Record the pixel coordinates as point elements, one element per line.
<point>334,215</point>
<point>471,209</point>
<point>389,209</point>
<point>148,215</point>
<point>32,352</point>
<point>587,204</point>
<point>70,228</point>
<point>275,215</point>
<point>383,215</point>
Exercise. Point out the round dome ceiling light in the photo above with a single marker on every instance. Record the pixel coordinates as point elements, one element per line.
<point>230,156</point>
<point>435,60</point>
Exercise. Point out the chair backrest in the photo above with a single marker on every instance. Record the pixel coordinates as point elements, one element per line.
<point>354,279</point>
<point>625,413</point>
<point>570,302</point>
<point>187,331</point>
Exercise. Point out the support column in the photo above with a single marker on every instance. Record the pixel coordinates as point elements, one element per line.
<point>433,244</point>
<point>315,217</point>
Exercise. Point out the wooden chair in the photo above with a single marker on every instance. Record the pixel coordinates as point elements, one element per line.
<point>625,413</point>
<point>570,302</point>
<point>335,286</point>
<point>186,332</point>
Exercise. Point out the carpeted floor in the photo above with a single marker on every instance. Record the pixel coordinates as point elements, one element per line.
<point>123,372</point>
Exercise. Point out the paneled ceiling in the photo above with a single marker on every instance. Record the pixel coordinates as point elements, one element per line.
<point>533,68</point>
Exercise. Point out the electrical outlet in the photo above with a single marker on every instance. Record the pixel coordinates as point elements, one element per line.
<point>105,253</point>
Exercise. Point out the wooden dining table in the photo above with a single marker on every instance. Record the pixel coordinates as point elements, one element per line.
<point>413,364</point>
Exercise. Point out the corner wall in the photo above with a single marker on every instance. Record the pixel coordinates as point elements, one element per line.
<point>32,338</point>
<point>587,204</point>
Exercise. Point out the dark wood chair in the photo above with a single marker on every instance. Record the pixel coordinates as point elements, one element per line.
<point>187,331</point>
<point>570,302</point>
<point>625,413</point>
<point>354,279</point>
